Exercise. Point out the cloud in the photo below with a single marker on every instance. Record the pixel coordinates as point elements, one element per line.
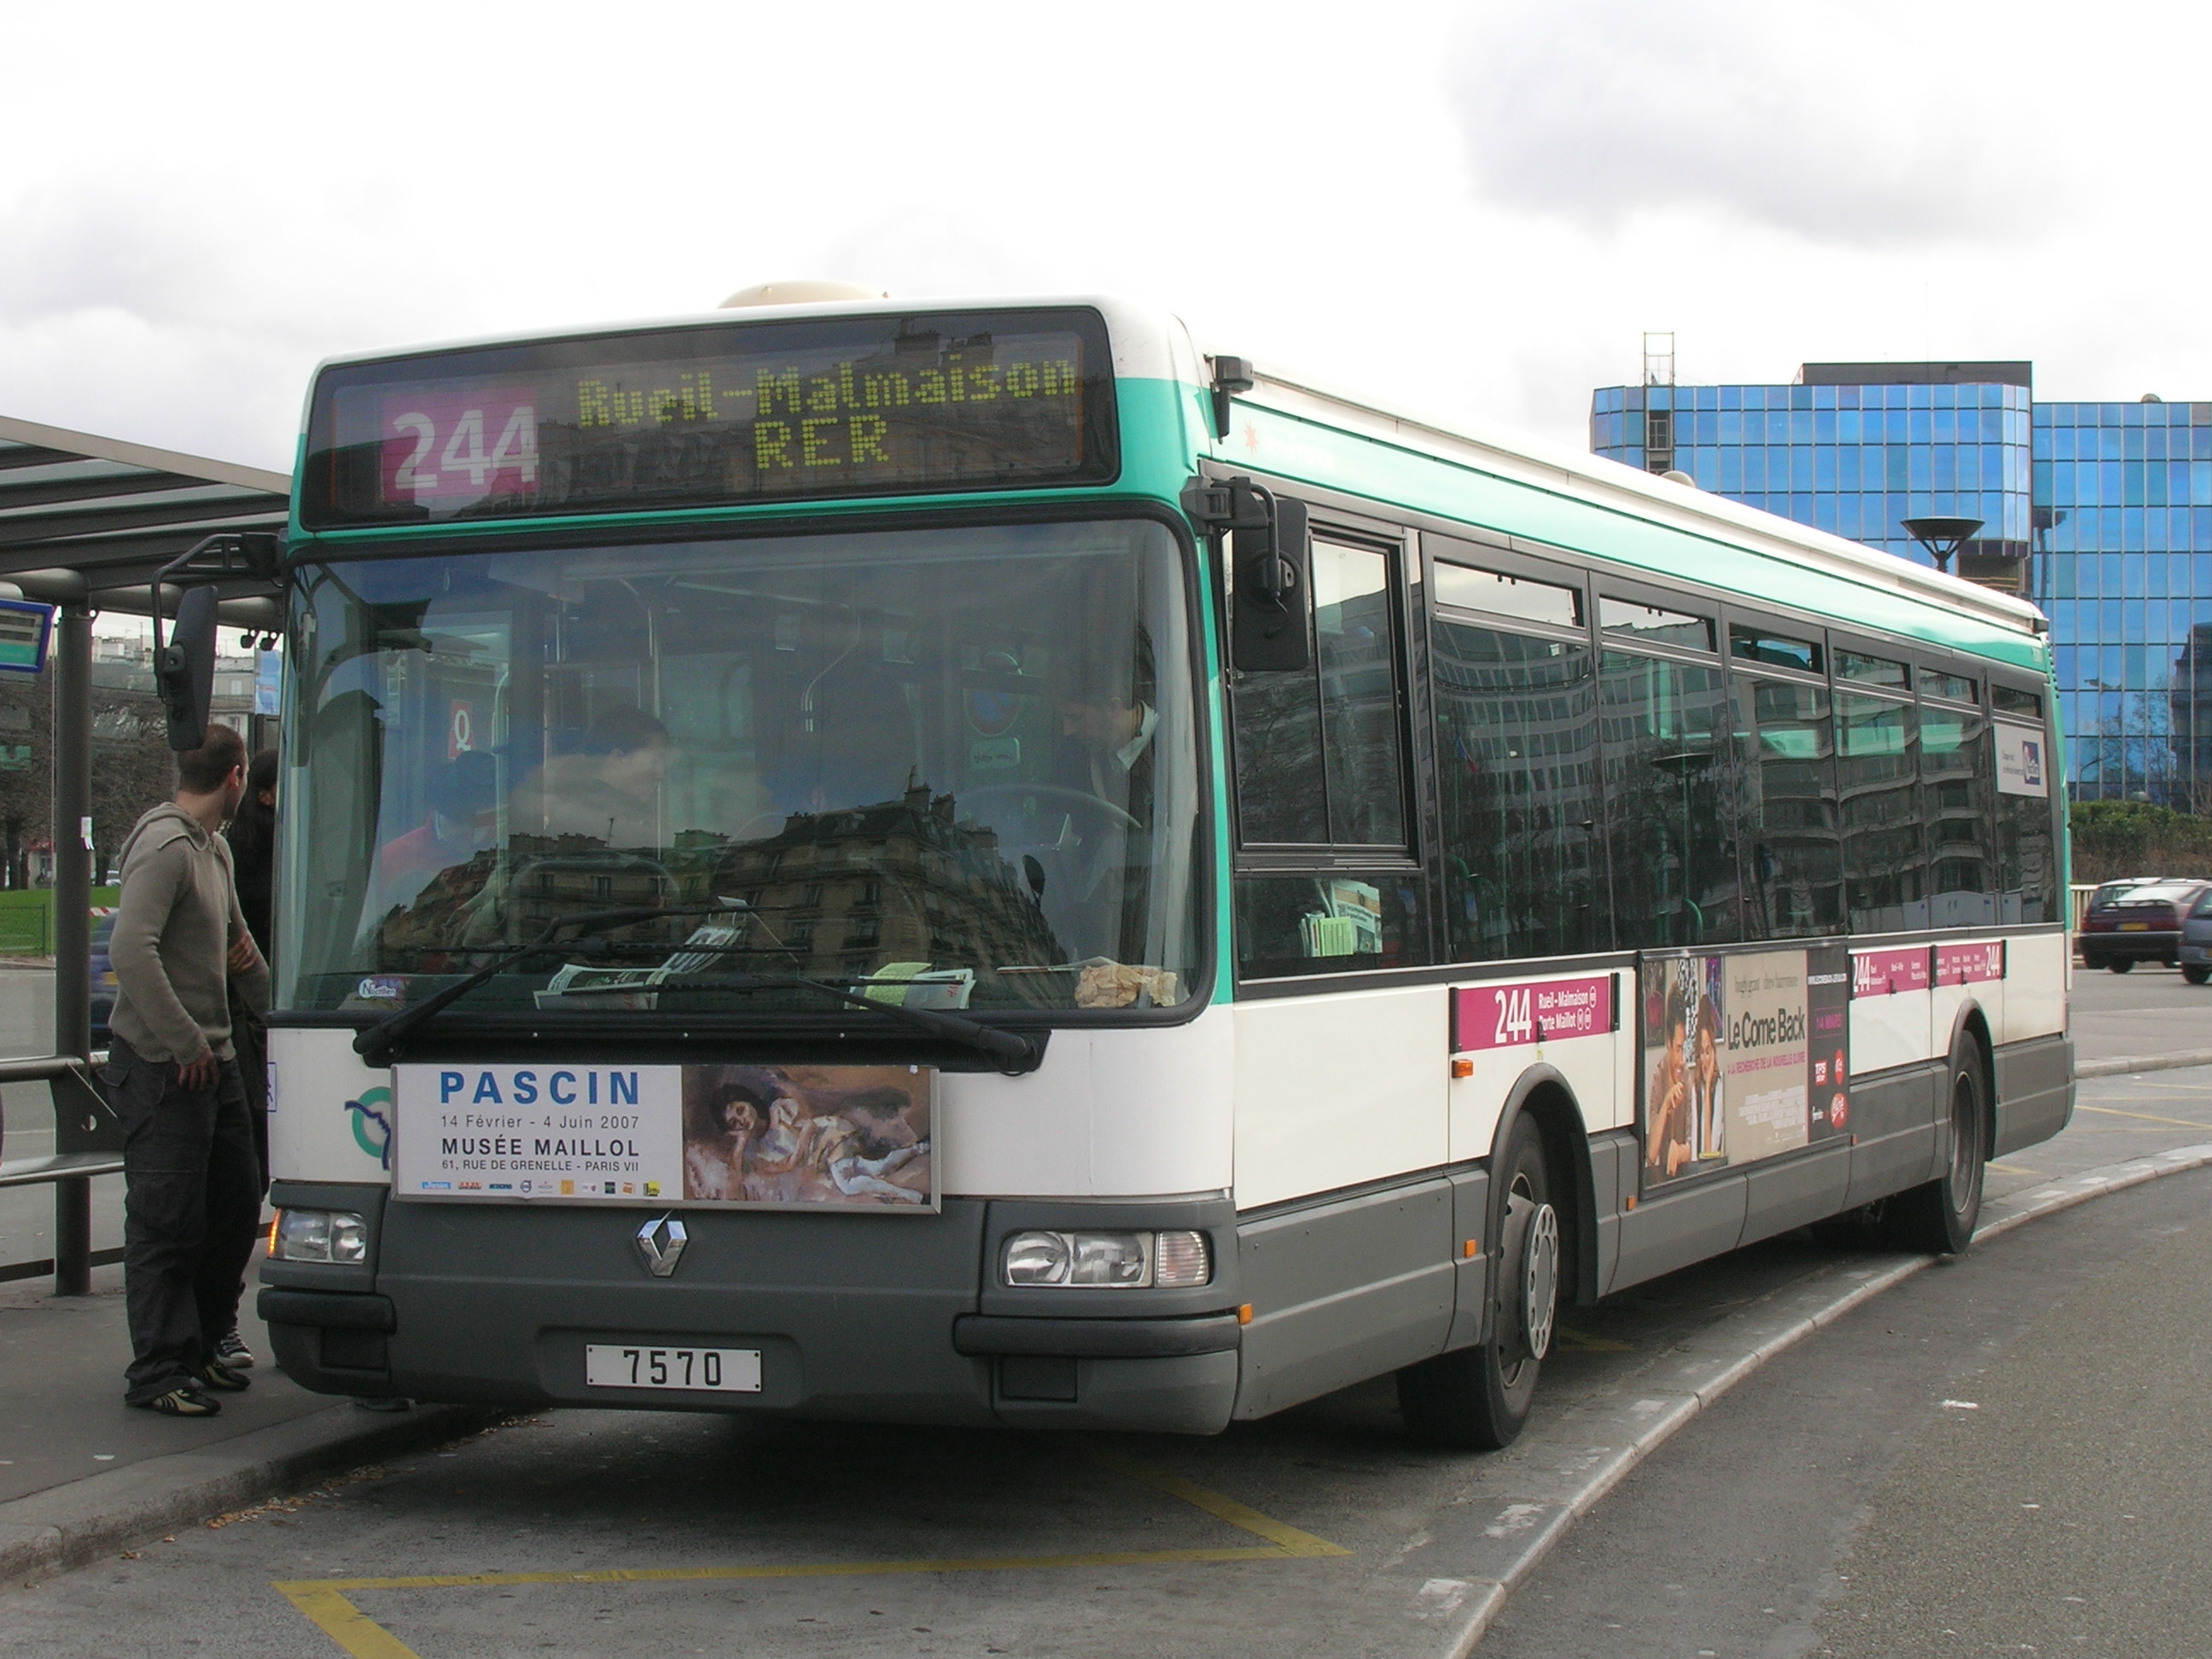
<point>1856,121</point>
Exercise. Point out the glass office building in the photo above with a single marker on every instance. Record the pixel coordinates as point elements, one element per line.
<point>2100,512</point>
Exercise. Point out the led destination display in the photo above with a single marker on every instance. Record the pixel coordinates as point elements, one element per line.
<point>720,415</point>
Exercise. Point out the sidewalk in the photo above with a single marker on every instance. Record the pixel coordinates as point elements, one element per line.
<point>83,1475</point>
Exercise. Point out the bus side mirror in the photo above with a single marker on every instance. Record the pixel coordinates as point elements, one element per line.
<point>1273,566</point>
<point>1268,551</point>
<point>184,669</point>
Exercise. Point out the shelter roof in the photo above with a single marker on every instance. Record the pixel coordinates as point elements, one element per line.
<point>115,512</point>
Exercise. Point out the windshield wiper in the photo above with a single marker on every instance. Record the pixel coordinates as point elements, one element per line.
<point>1018,1050</point>
<point>374,1044</point>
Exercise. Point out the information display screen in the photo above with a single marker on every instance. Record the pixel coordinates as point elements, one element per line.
<point>715,415</point>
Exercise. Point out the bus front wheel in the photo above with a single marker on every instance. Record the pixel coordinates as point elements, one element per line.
<point>1479,1397</point>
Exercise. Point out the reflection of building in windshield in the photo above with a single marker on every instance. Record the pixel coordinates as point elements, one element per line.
<point>462,908</point>
<point>899,881</point>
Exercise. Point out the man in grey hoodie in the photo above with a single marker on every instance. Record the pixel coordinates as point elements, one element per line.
<point>192,1197</point>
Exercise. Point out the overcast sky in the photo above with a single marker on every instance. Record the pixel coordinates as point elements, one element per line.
<point>1476,208</point>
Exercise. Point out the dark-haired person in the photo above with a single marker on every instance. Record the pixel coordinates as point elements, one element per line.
<point>192,1188</point>
<point>252,838</point>
<point>1667,1102</point>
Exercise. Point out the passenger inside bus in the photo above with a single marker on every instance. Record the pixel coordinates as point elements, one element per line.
<point>462,822</point>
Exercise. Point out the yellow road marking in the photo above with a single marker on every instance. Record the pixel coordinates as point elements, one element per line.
<point>346,1624</point>
<point>2015,1169</point>
<point>324,1600</point>
<point>1567,1339</point>
<point>1288,1537</point>
<point>2114,1111</point>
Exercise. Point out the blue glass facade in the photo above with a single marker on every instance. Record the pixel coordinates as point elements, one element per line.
<point>2126,495</point>
<point>1853,460</point>
<point>2101,513</point>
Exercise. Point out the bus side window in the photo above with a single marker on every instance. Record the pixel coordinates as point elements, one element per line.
<point>1320,750</point>
<point>1876,742</point>
<point>1669,790</point>
<point>1517,758</point>
<point>1321,786</point>
<point>1792,867</point>
<point>2028,847</point>
<point>1955,786</point>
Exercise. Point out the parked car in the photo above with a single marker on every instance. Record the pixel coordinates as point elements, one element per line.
<point>2128,922</point>
<point>2196,942</point>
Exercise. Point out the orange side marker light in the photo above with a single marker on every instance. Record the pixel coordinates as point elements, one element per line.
<point>1243,1313</point>
<point>1462,1068</point>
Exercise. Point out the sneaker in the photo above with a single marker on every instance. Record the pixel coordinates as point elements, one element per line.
<point>216,1375</point>
<point>183,1401</point>
<point>233,1352</point>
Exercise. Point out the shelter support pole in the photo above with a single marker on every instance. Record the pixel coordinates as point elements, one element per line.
<point>72,844</point>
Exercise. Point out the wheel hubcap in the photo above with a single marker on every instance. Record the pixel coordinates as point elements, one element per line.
<point>1540,1280</point>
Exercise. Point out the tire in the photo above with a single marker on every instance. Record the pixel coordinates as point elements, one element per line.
<point>1478,1398</point>
<point>2196,973</point>
<point>2121,964</point>
<point>1938,1218</point>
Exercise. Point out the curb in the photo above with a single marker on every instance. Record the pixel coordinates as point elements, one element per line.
<point>1517,1538</point>
<point>2126,1063</point>
<point>68,1526</point>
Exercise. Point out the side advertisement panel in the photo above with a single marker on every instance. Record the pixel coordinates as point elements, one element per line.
<point>1745,1057</point>
<point>812,1137</point>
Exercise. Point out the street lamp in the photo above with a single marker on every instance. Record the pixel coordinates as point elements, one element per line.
<point>1943,536</point>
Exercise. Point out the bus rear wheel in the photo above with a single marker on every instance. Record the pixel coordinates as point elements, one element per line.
<point>1478,1398</point>
<point>1939,1218</point>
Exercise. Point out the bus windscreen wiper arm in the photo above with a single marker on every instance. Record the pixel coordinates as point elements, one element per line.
<point>1017,1049</point>
<point>374,1044</point>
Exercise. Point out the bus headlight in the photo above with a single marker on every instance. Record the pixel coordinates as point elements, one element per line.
<point>1109,1260</point>
<point>1038,1259</point>
<point>319,1236</point>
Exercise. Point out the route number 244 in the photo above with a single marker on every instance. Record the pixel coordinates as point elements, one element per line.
<point>516,450</point>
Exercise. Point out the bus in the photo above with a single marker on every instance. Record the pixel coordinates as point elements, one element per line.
<point>972,863</point>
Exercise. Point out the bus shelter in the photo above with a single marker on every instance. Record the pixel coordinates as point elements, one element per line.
<point>87,524</point>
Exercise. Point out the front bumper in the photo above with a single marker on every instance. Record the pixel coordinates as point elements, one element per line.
<point>884,1318</point>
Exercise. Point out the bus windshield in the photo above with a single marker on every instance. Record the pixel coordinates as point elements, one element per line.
<point>950,769</point>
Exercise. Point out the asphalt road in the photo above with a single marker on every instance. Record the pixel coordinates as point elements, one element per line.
<point>2150,1010</point>
<point>2011,1453</point>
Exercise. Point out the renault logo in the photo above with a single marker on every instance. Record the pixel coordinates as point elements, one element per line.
<point>661,1245</point>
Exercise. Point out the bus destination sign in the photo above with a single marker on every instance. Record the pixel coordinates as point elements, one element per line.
<point>714,416</point>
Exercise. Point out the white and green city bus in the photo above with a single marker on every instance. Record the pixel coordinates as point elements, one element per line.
<point>969,863</point>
